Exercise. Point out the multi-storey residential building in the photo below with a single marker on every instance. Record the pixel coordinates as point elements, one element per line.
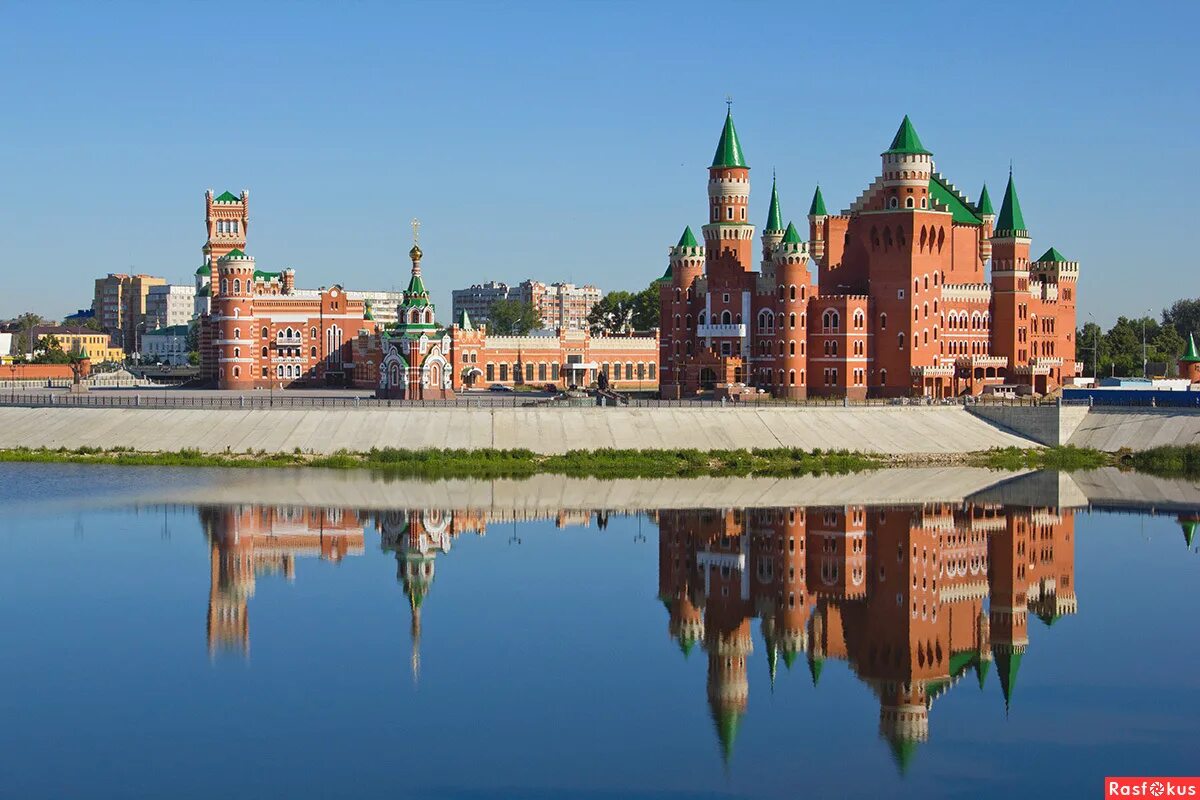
<point>120,305</point>
<point>98,346</point>
<point>901,302</point>
<point>261,331</point>
<point>384,305</point>
<point>169,305</point>
<point>559,306</point>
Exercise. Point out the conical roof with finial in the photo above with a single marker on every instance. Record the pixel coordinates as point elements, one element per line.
<point>985,202</point>
<point>774,218</point>
<point>817,208</point>
<point>729,149</point>
<point>906,141</point>
<point>1192,355</point>
<point>1011,221</point>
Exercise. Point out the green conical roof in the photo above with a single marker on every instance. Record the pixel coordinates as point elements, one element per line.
<point>1191,356</point>
<point>981,670</point>
<point>791,235</point>
<point>774,218</point>
<point>226,197</point>
<point>416,286</point>
<point>985,202</point>
<point>815,666</point>
<point>464,321</point>
<point>1008,665</point>
<point>817,208</point>
<point>1189,532</point>
<point>688,239</point>
<point>1011,220</point>
<point>666,276</point>
<point>729,149</point>
<point>1052,255</point>
<point>903,751</point>
<point>727,722</point>
<point>906,141</point>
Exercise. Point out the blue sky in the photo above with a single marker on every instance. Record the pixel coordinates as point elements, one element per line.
<point>568,141</point>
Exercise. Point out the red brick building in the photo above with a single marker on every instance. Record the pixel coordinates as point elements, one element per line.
<point>890,298</point>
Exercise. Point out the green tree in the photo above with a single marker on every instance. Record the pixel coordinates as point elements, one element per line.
<point>25,325</point>
<point>646,308</point>
<point>49,351</point>
<point>1184,316</point>
<point>1089,349</point>
<point>622,312</point>
<point>512,318</point>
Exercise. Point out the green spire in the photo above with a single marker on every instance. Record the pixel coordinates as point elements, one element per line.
<point>464,321</point>
<point>416,287</point>
<point>985,202</point>
<point>1008,665</point>
<point>1011,221</point>
<point>981,671</point>
<point>817,209</point>
<point>729,149</point>
<point>906,141</point>
<point>1192,355</point>
<point>1052,255</point>
<point>727,722</point>
<point>903,750</point>
<point>688,239</point>
<point>1189,532</point>
<point>815,666</point>
<point>792,236</point>
<point>774,218</point>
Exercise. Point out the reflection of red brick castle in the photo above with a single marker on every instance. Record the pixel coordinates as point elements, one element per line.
<point>261,331</point>
<point>897,593</point>
<point>418,359</point>
<point>247,542</point>
<point>903,305</point>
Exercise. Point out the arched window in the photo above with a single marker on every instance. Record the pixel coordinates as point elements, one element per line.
<point>883,322</point>
<point>833,348</point>
<point>312,351</point>
<point>312,333</point>
<point>224,286</point>
<point>792,348</point>
<point>726,317</point>
<point>908,202</point>
<point>265,333</point>
<point>791,377</point>
<point>700,318</point>
<point>900,340</point>
<point>893,202</point>
<point>264,352</point>
<point>237,371</point>
<point>792,292</point>
<point>676,321</point>
<point>237,286</point>
<point>688,321</point>
<point>237,333</point>
<point>792,320</point>
<point>781,291</point>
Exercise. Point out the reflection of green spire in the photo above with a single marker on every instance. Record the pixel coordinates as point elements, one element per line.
<point>774,218</point>
<point>815,665</point>
<point>981,670</point>
<point>789,657</point>
<point>1008,664</point>
<point>772,661</point>
<point>903,751</point>
<point>729,149</point>
<point>1189,531</point>
<point>686,645</point>
<point>727,722</point>
<point>1049,618</point>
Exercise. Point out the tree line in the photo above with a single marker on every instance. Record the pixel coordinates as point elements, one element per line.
<point>1119,351</point>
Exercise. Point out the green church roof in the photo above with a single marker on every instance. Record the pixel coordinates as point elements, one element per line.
<point>729,149</point>
<point>226,197</point>
<point>792,236</point>
<point>906,141</point>
<point>1191,356</point>
<point>416,286</point>
<point>1011,221</point>
<point>817,208</point>
<point>1052,255</point>
<point>960,212</point>
<point>367,313</point>
<point>774,218</point>
<point>985,202</point>
<point>960,661</point>
<point>688,239</point>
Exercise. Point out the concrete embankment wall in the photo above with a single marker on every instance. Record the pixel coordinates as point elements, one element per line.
<point>1113,429</point>
<point>1048,425</point>
<point>899,429</point>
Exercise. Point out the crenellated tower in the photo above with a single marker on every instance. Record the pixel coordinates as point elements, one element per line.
<point>907,168</point>
<point>793,290</point>
<point>1010,281</point>
<point>728,236</point>
<point>988,215</point>
<point>226,220</point>
<point>233,307</point>
<point>818,219</point>
<point>676,300</point>
<point>773,233</point>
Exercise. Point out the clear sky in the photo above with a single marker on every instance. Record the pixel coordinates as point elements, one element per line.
<point>569,140</point>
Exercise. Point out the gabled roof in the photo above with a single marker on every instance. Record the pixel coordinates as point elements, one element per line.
<point>173,330</point>
<point>1052,255</point>
<point>729,149</point>
<point>774,218</point>
<point>1011,220</point>
<point>817,208</point>
<point>226,197</point>
<point>261,275</point>
<point>906,141</point>
<point>792,236</point>
<point>985,202</point>
<point>1191,356</point>
<point>960,211</point>
<point>688,239</point>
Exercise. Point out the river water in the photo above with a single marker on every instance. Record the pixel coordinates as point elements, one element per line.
<point>208,633</point>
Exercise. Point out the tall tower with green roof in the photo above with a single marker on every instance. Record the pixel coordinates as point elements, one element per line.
<point>1189,362</point>
<point>729,236</point>
<point>817,218</point>
<point>773,232</point>
<point>988,215</point>
<point>1010,282</point>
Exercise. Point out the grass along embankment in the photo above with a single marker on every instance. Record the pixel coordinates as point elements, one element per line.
<point>779,462</point>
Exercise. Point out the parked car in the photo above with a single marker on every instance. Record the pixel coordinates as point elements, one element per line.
<point>499,387</point>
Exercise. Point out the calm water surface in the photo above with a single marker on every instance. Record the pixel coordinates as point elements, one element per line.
<point>243,650</point>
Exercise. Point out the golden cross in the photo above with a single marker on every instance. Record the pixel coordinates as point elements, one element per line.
<point>416,226</point>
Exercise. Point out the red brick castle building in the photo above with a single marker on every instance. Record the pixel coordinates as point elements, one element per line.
<point>890,298</point>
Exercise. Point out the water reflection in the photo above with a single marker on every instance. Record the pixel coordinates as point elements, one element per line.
<point>914,599</point>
